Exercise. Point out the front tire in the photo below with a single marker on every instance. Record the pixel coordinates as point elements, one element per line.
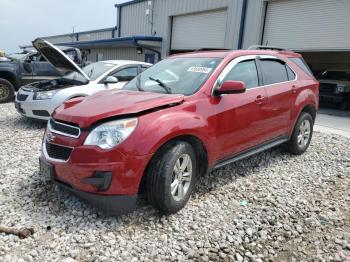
<point>171,177</point>
<point>302,134</point>
<point>7,91</point>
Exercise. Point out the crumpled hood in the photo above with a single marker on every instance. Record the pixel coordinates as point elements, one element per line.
<point>105,104</point>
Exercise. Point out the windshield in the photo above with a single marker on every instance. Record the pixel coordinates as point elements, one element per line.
<point>17,56</point>
<point>336,75</point>
<point>175,75</point>
<point>93,71</point>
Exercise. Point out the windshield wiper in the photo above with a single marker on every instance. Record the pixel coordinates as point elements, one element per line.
<point>162,84</point>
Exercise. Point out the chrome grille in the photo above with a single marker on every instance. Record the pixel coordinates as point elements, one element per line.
<point>63,129</point>
<point>327,88</point>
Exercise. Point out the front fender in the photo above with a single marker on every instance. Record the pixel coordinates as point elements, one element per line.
<point>156,129</point>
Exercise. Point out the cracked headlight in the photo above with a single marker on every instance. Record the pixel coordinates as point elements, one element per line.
<point>45,95</point>
<point>110,134</point>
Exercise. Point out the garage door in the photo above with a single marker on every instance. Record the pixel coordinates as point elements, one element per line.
<point>203,30</point>
<point>308,24</point>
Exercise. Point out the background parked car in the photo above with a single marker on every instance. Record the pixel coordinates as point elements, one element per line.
<point>27,67</point>
<point>38,100</point>
<point>335,87</point>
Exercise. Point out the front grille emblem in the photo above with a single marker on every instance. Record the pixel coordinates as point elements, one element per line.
<point>50,137</point>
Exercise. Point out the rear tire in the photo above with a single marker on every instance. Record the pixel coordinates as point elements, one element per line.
<point>7,91</point>
<point>344,105</point>
<point>302,134</point>
<point>171,177</point>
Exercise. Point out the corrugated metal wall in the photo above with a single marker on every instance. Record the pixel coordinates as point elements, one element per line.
<point>308,24</point>
<point>61,39</point>
<point>134,20</point>
<point>82,36</point>
<point>207,30</point>
<point>254,23</point>
<point>125,53</point>
<point>95,35</point>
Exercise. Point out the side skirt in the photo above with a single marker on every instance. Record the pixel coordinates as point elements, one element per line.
<point>252,151</point>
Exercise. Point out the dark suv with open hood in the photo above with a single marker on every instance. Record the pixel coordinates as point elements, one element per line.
<point>28,67</point>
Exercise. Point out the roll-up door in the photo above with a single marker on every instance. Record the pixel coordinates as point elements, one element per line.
<point>308,24</point>
<point>201,30</point>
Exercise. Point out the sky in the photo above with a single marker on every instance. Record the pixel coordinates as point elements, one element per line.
<point>21,21</point>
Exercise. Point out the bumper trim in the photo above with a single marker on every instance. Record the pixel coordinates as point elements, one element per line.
<point>110,204</point>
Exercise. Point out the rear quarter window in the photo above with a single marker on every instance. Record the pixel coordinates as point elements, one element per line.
<point>291,74</point>
<point>302,64</point>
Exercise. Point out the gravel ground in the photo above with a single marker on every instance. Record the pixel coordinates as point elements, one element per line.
<point>272,206</point>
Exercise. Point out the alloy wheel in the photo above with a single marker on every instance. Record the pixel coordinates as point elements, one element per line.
<point>304,133</point>
<point>4,92</point>
<point>181,177</point>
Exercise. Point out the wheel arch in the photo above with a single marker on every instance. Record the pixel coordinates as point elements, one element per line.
<point>11,77</point>
<point>198,146</point>
<point>311,109</point>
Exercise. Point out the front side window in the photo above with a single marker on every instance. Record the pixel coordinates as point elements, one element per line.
<point>246,72</point>
<point>273,72</point>
<point>179,75</point>
<point>126,74</point>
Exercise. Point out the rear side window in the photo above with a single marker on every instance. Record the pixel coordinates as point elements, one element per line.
<point>273,72</point>
<point>246,72</point>
<point>302,64</point>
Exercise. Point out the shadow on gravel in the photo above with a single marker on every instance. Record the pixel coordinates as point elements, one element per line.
<point>22,123</point>
<point>234,171</point>
<point>56,204</point>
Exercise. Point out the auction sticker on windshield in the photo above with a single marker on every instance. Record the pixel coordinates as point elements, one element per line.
<point>199,69</point>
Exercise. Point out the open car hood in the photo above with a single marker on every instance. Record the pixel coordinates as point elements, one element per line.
<point>57,58</point>
<point>106,104</point>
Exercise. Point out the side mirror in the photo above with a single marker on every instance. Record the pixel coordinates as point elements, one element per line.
<point>28,67</point>
<point>110,80</point>
<point>231,87</point>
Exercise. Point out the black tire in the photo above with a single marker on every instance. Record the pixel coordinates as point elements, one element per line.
<point>344,105</point>
<point>7,91</point>
<point>160,175</point>
<point>294,145</point>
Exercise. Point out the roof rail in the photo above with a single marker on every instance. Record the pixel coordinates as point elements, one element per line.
<point>266,47</point>
<point>211,49</point>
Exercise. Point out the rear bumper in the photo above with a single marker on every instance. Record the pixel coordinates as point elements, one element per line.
<point>110,204</point>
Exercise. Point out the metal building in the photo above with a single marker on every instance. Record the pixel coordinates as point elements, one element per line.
<point>319,29</point>
<point>148,30</point>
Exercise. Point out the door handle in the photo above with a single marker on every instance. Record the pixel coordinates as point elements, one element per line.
<point>294,89</point>
<point>260,99</point>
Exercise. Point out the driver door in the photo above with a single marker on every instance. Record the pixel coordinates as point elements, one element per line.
<point>42,70</point>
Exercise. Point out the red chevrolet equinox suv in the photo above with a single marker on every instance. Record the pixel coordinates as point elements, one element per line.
<point>181,118</point>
